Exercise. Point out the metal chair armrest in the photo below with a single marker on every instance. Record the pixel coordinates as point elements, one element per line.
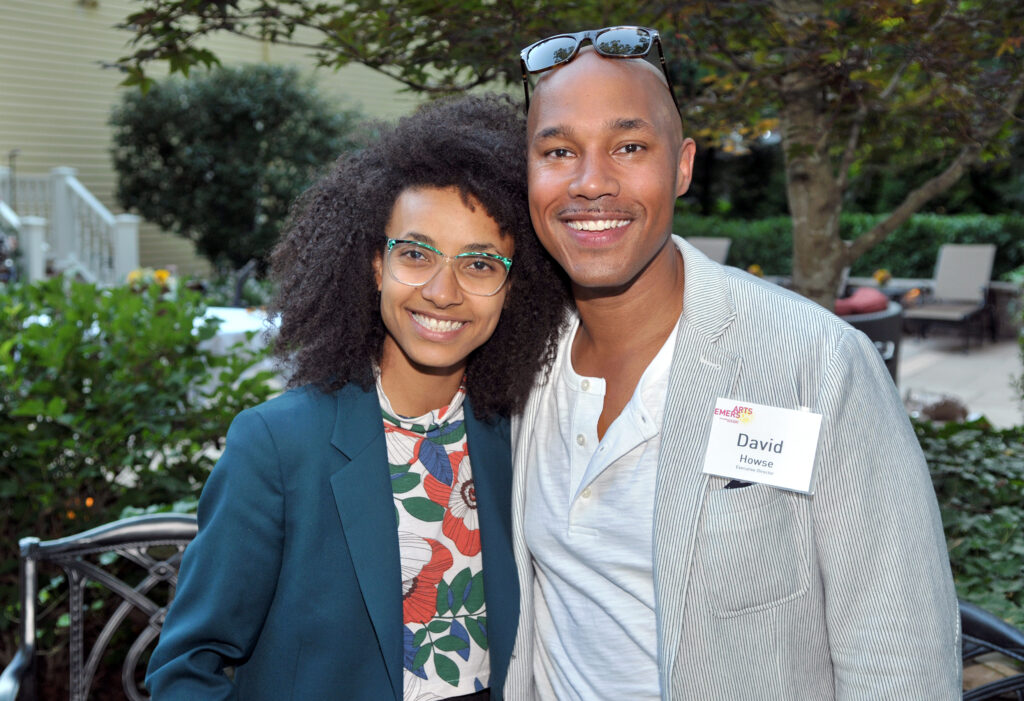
<point>16,673</point>
<point>997,689</point>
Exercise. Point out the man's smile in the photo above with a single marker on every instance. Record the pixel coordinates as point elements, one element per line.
<point>596,224</point>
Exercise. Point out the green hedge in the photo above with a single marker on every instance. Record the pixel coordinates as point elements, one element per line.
<point>108,403</point>
<point>978,473</point>
<point>910,251</point>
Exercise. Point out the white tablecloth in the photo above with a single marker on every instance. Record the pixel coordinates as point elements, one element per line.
<point>235,323</point>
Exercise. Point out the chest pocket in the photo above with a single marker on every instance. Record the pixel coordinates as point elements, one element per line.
<point>753,547</point>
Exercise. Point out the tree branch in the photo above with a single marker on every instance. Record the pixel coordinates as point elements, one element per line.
<point>916,199</point>
<point>853,140</point>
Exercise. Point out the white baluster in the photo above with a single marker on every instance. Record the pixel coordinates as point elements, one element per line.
<point>126,246</point>
<point>32,241</point>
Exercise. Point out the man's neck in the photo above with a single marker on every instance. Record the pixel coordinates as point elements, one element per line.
<point>637,319</point>
<point>620,333</point>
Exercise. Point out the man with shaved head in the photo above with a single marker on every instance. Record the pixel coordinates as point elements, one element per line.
<point>718,494</point>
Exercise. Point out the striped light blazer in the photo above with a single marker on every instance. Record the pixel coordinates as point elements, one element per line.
<point>767,594</point>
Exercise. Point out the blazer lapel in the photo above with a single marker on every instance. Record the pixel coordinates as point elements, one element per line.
<point>701,372</point>
<point>362,493</point>
<point>490,454</point>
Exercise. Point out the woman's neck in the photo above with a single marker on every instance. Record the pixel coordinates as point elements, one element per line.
<point>413,390</point>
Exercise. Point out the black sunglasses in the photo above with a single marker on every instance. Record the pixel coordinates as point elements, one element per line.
<point>610,42</point>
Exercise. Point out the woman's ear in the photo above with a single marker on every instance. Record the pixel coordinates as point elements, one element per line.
<point>378,270</point>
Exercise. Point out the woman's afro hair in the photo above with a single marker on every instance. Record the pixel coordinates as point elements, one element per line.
<point>331,331</point>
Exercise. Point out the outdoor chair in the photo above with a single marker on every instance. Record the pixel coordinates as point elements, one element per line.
<point>120,580</point>
<point>959,291</point>
<point>986,637</point>
<point>714,247</point>
<point>885,329</point>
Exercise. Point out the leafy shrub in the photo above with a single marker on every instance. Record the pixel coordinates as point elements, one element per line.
<point>978,473</point>
<point>911,251</point>
<point>109,401</point>
<point>220,157</point>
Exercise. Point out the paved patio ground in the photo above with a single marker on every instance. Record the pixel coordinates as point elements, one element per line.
<point>980,378</point>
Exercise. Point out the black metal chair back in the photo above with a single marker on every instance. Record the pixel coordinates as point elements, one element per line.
<point>136,560</point>
<point>984,634</point>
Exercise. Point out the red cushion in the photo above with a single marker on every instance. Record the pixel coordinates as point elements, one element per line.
<point>864,300</point>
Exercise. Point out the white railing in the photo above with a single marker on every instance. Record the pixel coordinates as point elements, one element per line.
<point>29,234</point>
<point>83,237</point>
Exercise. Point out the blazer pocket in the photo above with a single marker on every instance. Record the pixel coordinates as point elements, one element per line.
<point>754,548</point>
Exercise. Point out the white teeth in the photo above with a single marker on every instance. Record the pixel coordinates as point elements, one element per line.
<point>597,225</point>
<point>437,324</point>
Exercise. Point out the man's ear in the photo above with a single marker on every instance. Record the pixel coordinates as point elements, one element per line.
<point>685,172</point>
<point>378,270</point>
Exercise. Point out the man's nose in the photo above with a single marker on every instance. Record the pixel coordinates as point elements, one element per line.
<point>443,289</point>
<point>594,178</point>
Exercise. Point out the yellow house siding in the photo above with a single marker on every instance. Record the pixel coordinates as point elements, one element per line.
<point>56,98</point>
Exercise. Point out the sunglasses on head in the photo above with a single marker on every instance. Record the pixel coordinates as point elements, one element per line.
<point>610,42</point>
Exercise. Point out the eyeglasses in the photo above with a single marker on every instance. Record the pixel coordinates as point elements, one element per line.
<point>610,42</point>
<point>415,263</point>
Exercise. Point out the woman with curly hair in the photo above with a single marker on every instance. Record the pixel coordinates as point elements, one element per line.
<point>354,537</point>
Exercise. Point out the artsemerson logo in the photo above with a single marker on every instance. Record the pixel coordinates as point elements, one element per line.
<point>737,415</point>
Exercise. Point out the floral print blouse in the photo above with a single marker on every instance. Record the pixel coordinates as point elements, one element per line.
<point>443,610</point>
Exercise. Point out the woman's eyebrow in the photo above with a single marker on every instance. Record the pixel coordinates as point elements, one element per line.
<point>484,247</point>
<point>481,247</point>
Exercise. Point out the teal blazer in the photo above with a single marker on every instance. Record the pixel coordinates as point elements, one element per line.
<point>294,577</point>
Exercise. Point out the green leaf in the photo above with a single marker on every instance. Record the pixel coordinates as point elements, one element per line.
<point>419,637</point>
<point>423,509</point>
<point>446,669</point>
<point>439,626</point>
<point>459,587</point>
<point>405,483</point>
<point>475,599</point>
<point>450,643</point>
<point>477,630</point>
<point>422,655</point>
<point>442,597</point>
<point>453,434</point>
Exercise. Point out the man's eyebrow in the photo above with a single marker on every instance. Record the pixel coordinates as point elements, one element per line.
<point>556,132</point>
<point>563,131</point>
<point>632,124</point>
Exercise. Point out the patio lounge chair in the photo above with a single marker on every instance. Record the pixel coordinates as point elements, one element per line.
<point>121,578</point>
<point>715,248</point>
<point>959,291</point>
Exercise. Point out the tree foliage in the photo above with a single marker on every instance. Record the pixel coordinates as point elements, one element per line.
<point>219,157</point>
<point>109,398</point>
<point>845,83</point>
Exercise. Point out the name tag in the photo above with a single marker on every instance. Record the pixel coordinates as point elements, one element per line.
<point>765,444</point>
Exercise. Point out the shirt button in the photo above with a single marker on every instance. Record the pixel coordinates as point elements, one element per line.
<point>585,493</point>
<point>585,385</point>
<point>581,439</point>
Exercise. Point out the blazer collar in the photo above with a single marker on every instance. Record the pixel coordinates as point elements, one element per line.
<point>702,371</point>
<point>707,303</point>
<point>362,494</point>
<point>490,454</point>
